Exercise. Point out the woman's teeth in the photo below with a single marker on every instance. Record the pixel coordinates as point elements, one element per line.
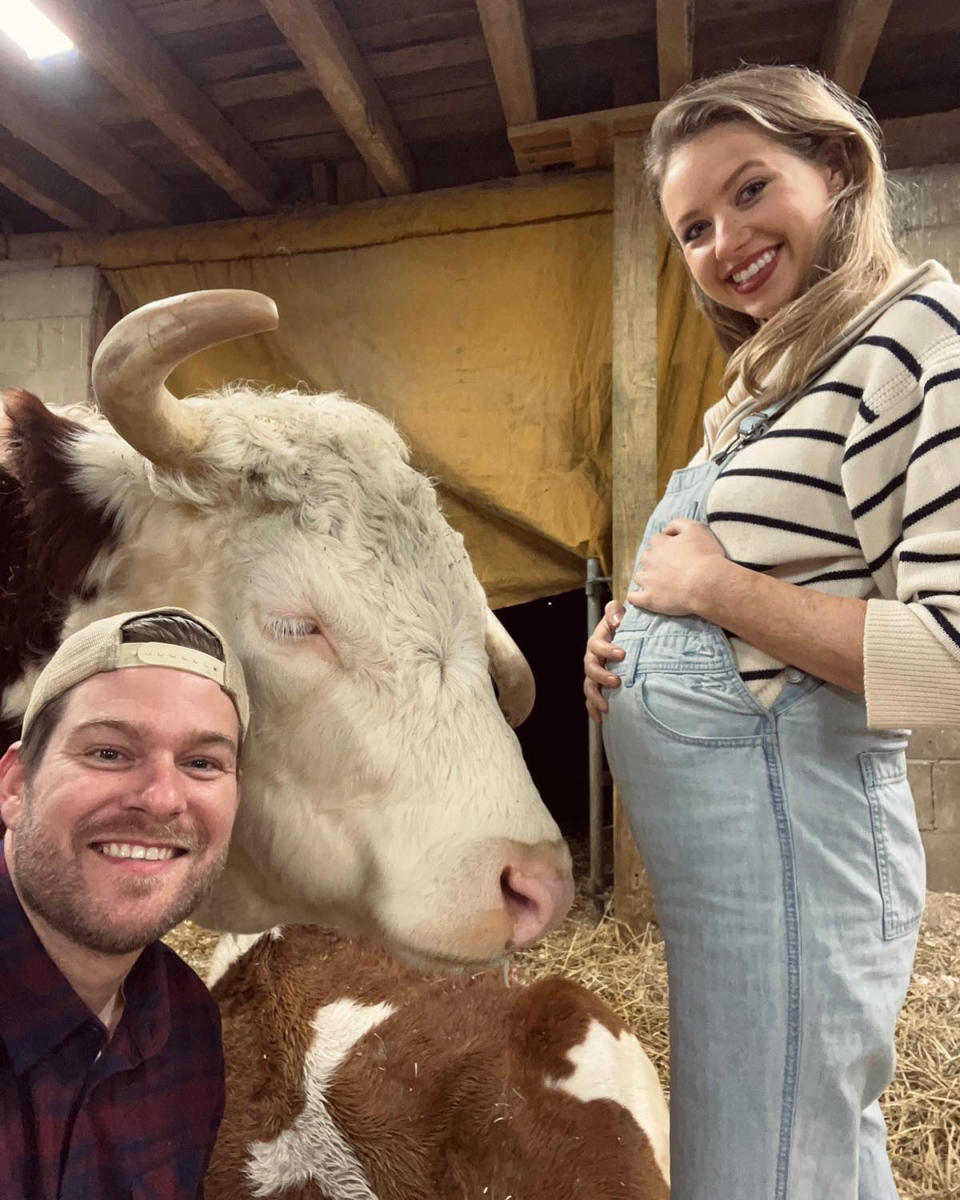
<point>758,264</point>
<point>125,850</point>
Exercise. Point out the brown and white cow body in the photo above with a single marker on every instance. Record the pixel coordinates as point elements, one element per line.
<point>383,791</point>
<point>350,1077</point>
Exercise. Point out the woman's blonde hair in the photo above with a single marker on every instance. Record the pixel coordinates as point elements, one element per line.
<point>816,120</point>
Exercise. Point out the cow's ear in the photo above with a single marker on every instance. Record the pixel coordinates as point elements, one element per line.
<point>26,423</point>
<point>6,429</point>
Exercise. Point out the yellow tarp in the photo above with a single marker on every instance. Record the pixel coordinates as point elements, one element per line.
<point>489,349</point>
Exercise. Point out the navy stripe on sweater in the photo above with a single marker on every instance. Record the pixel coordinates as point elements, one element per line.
<point>938,439</point>
<point>898,350</point>
<point>931,506</point>
<point>840,389</point>
<point>938,308</point>
<point>748,518</point>
<point>918,556</point>
<point>874,439</point>
<point>871,502</point>
<point>817,435</point>
<point>944,624</point>
<point>789,476</point>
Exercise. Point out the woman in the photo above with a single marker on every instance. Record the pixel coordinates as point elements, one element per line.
<point>795,605</point>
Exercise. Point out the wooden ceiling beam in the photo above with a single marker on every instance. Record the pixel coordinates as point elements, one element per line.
<point>922,141</point>
<point>674,45</point>
<point>117,44</point>
<point>851,41</point>
<point>319,37</point>
<point>78,146</point>
<point>49,189</point>
<point>584,140</point>
<point>505,32</point>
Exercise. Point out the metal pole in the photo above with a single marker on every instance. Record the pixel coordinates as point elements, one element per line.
<point>594,887</point>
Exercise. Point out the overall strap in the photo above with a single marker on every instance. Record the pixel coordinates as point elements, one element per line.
<point>754,425</point>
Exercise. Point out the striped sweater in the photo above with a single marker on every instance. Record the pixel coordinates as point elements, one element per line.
<point>855,491</point>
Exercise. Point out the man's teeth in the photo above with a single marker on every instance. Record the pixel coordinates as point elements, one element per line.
<point>758,264</point>
<point>125,850</point>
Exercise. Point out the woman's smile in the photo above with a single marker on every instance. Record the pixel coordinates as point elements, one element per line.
<point>754,272</point>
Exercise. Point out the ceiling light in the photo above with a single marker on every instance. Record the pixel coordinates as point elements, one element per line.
<point>31,30</point>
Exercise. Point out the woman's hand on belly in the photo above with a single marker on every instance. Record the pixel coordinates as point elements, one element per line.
<point>600,647</point>
<point>675,569</point>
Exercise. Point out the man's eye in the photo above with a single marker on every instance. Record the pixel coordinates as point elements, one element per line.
<point>204,764</point>
<point>107,754</point>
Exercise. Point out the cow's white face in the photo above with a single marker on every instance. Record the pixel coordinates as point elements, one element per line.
<point>383,792</point>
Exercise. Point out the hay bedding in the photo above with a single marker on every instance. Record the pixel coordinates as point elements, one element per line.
<point>922,1106</point>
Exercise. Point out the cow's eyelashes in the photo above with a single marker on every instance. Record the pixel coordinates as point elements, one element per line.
<point>292,627</point>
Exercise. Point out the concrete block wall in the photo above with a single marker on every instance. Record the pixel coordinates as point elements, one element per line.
<point>933,767</point>
<point>51,319</point>
<point>927,206</point>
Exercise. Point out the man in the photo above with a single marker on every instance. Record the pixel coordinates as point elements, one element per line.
<point>118,804</point>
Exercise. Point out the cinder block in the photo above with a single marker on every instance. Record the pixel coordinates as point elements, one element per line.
<point>920,775</point>
<point>64,343</point>
<point>934,742</point>
<point>19,349</point>
<point>943,861</point>
<point>53,292</point>
<point>927,197</point>
<point>946,795</point>
<point>53,387</point>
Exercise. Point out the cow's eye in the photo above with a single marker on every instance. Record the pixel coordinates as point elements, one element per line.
<point>293,627</point>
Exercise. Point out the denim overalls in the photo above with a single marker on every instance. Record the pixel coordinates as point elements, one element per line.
<point>786,864</point>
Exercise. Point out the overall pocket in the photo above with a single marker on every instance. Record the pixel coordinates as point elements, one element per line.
<point>699,708</point>
<point>901,868</point>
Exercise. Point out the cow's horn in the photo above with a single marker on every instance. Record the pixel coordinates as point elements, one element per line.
<point>511,673</point>
<point>131,367</point>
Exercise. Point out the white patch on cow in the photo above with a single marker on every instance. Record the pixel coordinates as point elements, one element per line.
<point>231,947</point>
<point>614,1068</point>
<point>17,695</point>
<point>313,1148</point>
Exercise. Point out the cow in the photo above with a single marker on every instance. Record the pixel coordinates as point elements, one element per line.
<point>352,1077</point>
<point>383,791</point>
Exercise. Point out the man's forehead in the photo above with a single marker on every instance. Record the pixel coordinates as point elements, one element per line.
<point>152,696</point>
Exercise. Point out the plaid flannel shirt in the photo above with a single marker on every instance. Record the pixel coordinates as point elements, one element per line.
<point>84,1117</point>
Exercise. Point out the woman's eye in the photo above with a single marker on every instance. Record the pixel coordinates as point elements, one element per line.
<point>752,189</point>
<point>692,232</point>
<point>292,627</point>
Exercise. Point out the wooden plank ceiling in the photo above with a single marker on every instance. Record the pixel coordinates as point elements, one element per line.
<point>174,111</point>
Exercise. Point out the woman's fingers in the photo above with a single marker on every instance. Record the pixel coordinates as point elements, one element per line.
<point>596,705</point>
<point>600,648</point>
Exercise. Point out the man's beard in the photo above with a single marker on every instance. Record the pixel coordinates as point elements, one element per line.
<point>55,889</point>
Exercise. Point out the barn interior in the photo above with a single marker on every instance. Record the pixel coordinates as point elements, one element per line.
<point>460,177</point>
<point>445,199</point>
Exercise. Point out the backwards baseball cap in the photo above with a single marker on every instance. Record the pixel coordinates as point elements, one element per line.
<point>100,647</point>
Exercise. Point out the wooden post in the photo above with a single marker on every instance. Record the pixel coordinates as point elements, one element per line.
<point>634,417</point>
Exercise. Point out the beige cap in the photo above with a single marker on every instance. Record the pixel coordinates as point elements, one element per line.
<point>100,647</point>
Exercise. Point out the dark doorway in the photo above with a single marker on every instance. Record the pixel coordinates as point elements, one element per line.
<point>551,633</point>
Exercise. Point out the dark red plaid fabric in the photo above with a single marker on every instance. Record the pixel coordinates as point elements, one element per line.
<point>84,1118</point>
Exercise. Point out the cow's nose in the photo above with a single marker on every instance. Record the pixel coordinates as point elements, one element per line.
<point>536,899</point>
